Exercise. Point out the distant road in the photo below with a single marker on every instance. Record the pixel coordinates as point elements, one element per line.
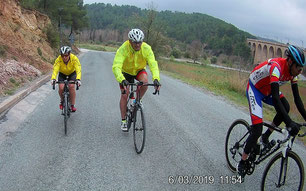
<point>186,133</point>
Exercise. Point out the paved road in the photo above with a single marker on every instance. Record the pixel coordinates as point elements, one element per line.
<point>186,132</point>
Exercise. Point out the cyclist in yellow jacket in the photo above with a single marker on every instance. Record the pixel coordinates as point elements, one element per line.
<point>67,64</point>
<point>130,63</point>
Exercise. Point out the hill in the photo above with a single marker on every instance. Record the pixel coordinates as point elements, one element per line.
<point>176,28</point>
<point>25,52</point>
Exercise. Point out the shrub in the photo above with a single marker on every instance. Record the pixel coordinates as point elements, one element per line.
<point>12,80</point>
<point>39,51</point>
<point>213,60</point>
<point>3,49</point>
<point>176,53</point>
<point>52,35</point>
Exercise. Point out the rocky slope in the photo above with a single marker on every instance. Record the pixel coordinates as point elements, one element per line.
<point>25,53</point>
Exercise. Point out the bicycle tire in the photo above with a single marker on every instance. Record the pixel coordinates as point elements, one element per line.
<point>293,159</point>
<point>139,129</point>
<point>65,112</point>
<point>235,139</point>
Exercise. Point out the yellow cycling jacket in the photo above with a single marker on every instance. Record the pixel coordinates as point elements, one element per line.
<point>67,69</point>
<point>130,61</point>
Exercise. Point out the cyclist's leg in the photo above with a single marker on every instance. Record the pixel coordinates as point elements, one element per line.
<point>72,93</point>
<point>255,106</point>
<point>277,120</point>
<point>124,97</point>
<point>142,76</point>
<point>61,78</point>
<point>123,101</point>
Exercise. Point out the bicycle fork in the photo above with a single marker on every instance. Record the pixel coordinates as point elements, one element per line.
<point>282,173</point>
<point>284,164</point>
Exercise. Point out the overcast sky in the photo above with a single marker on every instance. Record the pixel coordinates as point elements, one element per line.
<point>281,20</point>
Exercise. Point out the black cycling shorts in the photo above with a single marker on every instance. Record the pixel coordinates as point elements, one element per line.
<point>62,77</point>
<point>131,78</point>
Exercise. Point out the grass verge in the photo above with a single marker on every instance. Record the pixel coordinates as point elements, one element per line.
<point>229,84</point>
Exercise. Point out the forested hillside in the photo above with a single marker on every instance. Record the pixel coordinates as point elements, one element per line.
<point>215,35</point>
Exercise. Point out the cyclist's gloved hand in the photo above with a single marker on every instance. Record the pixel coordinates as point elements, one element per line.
<point>78,83</point>
<point>124,83</point>
<point>156,83</point>
<point>52,82</point>
<point>294,128</point>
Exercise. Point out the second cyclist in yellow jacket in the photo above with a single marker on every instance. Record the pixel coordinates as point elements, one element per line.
<point>130,63</point>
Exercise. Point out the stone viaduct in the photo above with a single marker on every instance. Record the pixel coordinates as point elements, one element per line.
<point>263,50</point>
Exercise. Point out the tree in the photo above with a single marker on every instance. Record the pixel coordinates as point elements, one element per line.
<point>195,49</point>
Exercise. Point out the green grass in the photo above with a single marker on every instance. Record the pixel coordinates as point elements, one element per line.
<point>98,47</point>
<point>10,91</point>
<point>229,84</point>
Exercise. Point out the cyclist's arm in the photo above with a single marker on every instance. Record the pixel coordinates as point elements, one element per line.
<point>56,67</point>
<point>279,107</point>
<point>117,65</point>
<point>152,63</point>
<point>297,100</point>
<point>78,68</point>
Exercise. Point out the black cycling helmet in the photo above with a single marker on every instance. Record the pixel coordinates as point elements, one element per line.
<point>65,50</point>
<point>296,54</point>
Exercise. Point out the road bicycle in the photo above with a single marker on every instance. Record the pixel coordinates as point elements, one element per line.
<point>285,170</point>
<point>66,102</point>
<point>135,115</point>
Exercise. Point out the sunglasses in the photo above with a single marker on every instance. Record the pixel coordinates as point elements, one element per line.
<point>65,55</point>
<point>137,42</point>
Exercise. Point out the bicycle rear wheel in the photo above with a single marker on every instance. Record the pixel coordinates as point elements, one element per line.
<point>139,129</point>
<point>66,108</point>
<point>235,141</point>
<point>284,173</point>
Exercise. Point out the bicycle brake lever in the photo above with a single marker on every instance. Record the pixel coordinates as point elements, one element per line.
<point>156,92</point>
<point>302,135</point>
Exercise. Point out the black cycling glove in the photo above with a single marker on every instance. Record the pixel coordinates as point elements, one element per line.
<point>294,128</point>
<point>156,83</point>
<point>124,83</point>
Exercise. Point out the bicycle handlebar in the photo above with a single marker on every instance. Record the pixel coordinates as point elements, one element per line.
<point>288,137</point>
<point>142,84</point>
<point>62,82</point>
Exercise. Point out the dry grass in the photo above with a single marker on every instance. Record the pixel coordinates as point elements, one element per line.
<point>230,84</point>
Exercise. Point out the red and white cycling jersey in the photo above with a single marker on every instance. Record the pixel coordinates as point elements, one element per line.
<point>272,70</point>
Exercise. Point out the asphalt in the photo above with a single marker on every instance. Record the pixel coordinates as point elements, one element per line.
<point>186,129</point>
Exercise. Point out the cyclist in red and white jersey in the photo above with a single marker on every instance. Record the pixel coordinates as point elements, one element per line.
<point>263,86</point>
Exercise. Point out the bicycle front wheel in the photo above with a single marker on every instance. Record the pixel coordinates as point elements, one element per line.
<point>139,129</point>
<point>235,141</point>
<point>284,173</point>
<point>66,108</point>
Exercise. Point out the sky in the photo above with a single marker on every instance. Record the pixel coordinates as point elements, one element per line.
<point>281,20</point>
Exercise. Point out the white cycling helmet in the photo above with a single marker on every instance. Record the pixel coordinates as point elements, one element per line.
<point>65,50</point>
<point>136,35</point>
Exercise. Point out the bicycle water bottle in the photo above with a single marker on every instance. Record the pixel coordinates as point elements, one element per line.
<point>132,101</point>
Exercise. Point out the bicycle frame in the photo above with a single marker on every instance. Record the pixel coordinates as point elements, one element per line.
<point>285,144</point>
<point>131,94</point>
<point>66,100</point>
